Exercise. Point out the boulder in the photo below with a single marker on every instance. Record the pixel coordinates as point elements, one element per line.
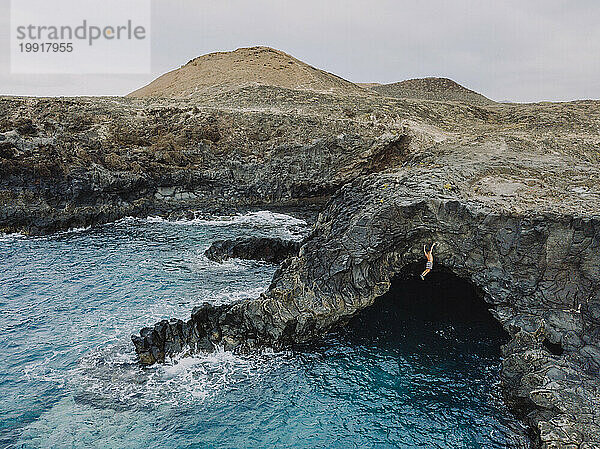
<point>268,249</point>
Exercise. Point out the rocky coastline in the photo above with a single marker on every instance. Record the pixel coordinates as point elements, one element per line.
<point>509,192</point>
<point>550,366</point>
<point>68,163</point>
<point>530,249</point>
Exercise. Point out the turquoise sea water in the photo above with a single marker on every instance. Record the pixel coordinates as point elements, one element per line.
<point>398,376</point>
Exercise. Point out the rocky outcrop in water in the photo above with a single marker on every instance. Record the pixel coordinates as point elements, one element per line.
<point>519,225</point>
<point>269,249</point>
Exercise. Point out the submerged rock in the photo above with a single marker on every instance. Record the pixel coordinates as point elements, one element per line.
<point>269,249</point>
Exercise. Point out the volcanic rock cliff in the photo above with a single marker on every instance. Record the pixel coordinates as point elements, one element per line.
<point>510,192</point>
<point>525,233</point>
<point>77,162</point>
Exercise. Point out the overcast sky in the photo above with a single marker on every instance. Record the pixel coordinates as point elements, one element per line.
<point>518,50</point>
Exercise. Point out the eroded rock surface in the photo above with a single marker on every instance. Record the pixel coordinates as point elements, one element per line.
<point>531,247</point>
<point>269,249</point>
<point>68,163</point>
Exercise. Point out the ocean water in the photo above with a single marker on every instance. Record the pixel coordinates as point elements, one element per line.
<point>397,376</point>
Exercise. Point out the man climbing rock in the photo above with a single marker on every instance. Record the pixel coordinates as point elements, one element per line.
<point>429,263</point>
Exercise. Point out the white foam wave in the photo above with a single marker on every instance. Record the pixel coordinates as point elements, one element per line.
<point>11,237</point>
<point>260,217</point>
<point>109,380</point>
<point>49,369</point>
<point>113,376</point>
<point>263,217</point>
<point>281,224</point>
<point>229,296</point>
<point>75,230</point>
<point>18,236</point>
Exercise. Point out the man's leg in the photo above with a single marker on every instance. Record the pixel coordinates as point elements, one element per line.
<point>427,270</point>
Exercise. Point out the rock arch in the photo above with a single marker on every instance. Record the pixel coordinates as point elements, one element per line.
<point>446,302</point>
<point>533,270</point>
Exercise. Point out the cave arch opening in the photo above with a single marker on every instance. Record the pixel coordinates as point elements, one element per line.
<point>428,354</point>
<point>445,313</point>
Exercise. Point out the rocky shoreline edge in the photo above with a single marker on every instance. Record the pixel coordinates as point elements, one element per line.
<point>510,192</point>
<point>537,273</point>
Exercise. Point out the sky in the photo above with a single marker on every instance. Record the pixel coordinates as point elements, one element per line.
<point>508,50</point>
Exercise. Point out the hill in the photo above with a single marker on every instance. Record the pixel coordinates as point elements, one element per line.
<point>439,89</point>
<point>240,68</point>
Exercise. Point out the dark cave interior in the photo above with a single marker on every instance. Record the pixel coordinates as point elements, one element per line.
<point>443,313</point>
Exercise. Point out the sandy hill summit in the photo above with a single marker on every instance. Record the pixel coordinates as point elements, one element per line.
<point>254,66</point>
<point>240,68</point>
